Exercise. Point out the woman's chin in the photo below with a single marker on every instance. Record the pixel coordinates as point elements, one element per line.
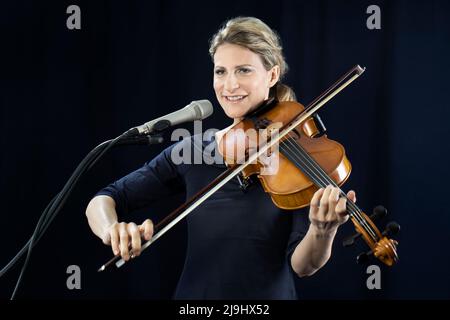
<point>235,115</point>
<point>234,112</point>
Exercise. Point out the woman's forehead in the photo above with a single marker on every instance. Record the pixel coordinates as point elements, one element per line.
<point>231,56</point>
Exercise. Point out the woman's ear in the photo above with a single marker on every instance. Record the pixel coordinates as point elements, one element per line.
<point>274,75</point>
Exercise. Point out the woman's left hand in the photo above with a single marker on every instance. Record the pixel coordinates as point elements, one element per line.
<point>327,210</point>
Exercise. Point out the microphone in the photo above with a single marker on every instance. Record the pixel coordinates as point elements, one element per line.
<point>196,110</point>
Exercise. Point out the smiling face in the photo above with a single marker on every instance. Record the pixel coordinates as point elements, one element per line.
<point>241,82</point>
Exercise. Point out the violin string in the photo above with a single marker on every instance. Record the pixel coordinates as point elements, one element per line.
<point>322,179</point>
<point>323,184</point>
<point>322,175</point>
<point>320,182</point>
<point>325,180</point>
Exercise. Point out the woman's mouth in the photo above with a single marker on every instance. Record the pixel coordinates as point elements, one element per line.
<point>234,99</point>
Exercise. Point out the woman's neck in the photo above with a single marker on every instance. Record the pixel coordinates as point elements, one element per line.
<point>236,120</point>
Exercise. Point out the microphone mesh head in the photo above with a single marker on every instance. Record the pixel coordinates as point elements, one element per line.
<point>203,109</point>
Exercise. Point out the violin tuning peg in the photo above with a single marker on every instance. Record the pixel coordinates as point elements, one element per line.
<point>350,240</point>
<point>363,258</point>
<point>379,212</point>
<point>391,229</point>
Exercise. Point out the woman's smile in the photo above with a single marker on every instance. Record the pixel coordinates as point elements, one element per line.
<point>235,99</point>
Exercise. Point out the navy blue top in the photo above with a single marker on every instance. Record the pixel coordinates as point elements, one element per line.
<point>239,244</point>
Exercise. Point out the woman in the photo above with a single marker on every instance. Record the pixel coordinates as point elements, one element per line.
<point>240,245</point>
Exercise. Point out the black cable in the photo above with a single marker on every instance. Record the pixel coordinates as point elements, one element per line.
<point>14,260</point>
<point>60,200</point>
<point>48,218</point>
<point>56,204</point>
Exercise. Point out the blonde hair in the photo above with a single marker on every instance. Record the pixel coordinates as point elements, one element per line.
<point>255,35</point>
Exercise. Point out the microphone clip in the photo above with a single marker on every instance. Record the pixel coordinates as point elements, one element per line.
<point>133,137</point>
<point>161,125</point>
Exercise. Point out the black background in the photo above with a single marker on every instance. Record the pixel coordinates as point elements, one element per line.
<point>64,91</point>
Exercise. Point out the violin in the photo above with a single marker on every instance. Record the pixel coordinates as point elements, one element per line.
<point>306,160</point>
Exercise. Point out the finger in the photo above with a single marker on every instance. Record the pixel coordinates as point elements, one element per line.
<point>315,200</point>
<point>341,207</point>
<point>148,229</point>
<point>115,240</point>
<point>352,195</point>
<point>333,200</point>
<point>133,231</point>
<point>324,200</point>
<point>124,240</point>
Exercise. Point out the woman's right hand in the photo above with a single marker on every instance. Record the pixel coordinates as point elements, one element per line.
<point>125,238</point>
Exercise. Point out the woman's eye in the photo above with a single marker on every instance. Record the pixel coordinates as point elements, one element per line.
<point>244,70</point>
<point>219,72</point>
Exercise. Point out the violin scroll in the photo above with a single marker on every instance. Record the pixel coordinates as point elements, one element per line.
<point>381,246</point>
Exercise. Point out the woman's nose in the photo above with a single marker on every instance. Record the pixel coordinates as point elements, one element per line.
<point>231,83</point>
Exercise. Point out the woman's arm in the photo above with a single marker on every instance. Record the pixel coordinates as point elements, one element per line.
<point>102,218</point>
<point>101,214</point>
<point>327,212</point>
<point>158,178</point>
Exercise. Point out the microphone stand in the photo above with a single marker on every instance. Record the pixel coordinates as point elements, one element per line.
<point>56,204</point>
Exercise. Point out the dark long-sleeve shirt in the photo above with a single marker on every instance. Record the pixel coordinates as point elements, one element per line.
<point>239,244</point>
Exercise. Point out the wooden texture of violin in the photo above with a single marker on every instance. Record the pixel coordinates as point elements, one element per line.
<point>382,248</point>
<point>289,188</point>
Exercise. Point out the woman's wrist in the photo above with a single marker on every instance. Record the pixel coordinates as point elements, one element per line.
<point>321,231</point>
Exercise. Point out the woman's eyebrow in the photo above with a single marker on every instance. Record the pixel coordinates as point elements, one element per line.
<point>235,67</point>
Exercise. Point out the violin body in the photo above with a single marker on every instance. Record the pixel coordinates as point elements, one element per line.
<point>289,187</point>
<point>304,160</point>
